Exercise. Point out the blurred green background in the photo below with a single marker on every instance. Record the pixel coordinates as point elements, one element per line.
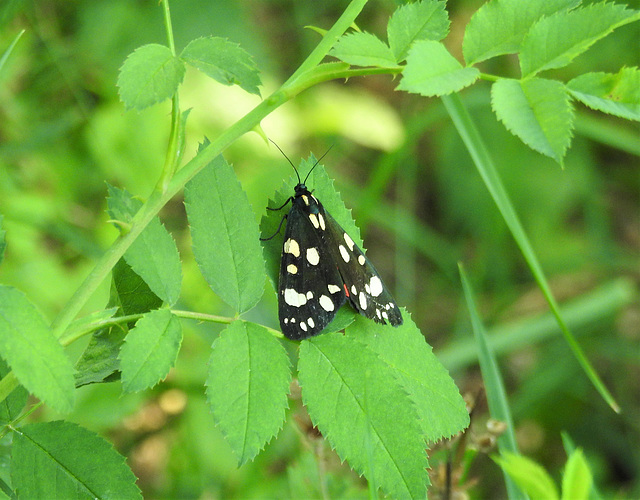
<point>416,195</point>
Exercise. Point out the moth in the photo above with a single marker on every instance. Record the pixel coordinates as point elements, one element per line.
<point>321,267</point>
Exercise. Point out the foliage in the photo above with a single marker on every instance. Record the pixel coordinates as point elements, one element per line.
<point>376,394</point>
<point>537,483</point>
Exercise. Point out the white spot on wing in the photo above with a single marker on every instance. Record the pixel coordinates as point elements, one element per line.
<point>326,303</point>
<point>354,291</point>
<point>291,246</point>
<point>344,253</point>
<point>294,298</point>
<point>333,288</point>
<point>305,199</point>
<point>321,221</point>
<point>385,315</point>
<point>292,269</point>
<point>378,313</point>
<point>311,322</point>
<point>313,257</point>
<point>303,325</point>
<point>363,301</point>
<point>309,295</point>
<point>376,286</point>
<point>314,220</point>
<point>348,241</point>
<point>361,260</point>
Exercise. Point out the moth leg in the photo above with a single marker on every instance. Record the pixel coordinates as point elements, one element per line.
<point>284,217</point>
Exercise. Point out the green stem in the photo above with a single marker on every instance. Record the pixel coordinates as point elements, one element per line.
<point>168,26</point>
<point>71,335</point>
<point>173,154</point>
<point>489,78</point>
<point>483,162</point>
<point>329,39</point>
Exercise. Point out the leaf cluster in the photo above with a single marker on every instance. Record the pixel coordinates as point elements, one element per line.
<point>543,35</point>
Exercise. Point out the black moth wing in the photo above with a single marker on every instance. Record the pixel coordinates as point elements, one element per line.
<point>310,288</point>
<point>366,290</point>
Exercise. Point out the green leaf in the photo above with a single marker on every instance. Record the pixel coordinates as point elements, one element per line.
<point>616,94</point>
<point>441,409</point>
<point>224,61</point>
<point>425,20</point>
<point>11,407</point>
<point>247,387</point>
<point>499,26</point>
<point>3,240</point>
<point>63,460</point>
<point>530,476</point>
<point>34,355</point>
<point>363,49</point>
<point>150,350</point>
<point>153,255</point>
<point>322,186</point>
<point>432,71</point>
<point>557,40</point>
<point>349,392</point>
<point>99,361</point>
<point>226,240</point>
<point>149,75</point>
<point>536,110</point>
<point>577,479</point>
<point>130,292</point>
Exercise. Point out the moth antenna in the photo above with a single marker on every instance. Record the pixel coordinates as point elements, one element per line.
<point>290,162</point>
<point>316,163</point>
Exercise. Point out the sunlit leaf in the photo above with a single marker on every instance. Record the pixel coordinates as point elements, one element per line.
<point>432,71</point>
<point>149,75</point>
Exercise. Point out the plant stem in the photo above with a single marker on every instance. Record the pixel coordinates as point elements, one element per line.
<point>329,39</point>
<point>172,156</point>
